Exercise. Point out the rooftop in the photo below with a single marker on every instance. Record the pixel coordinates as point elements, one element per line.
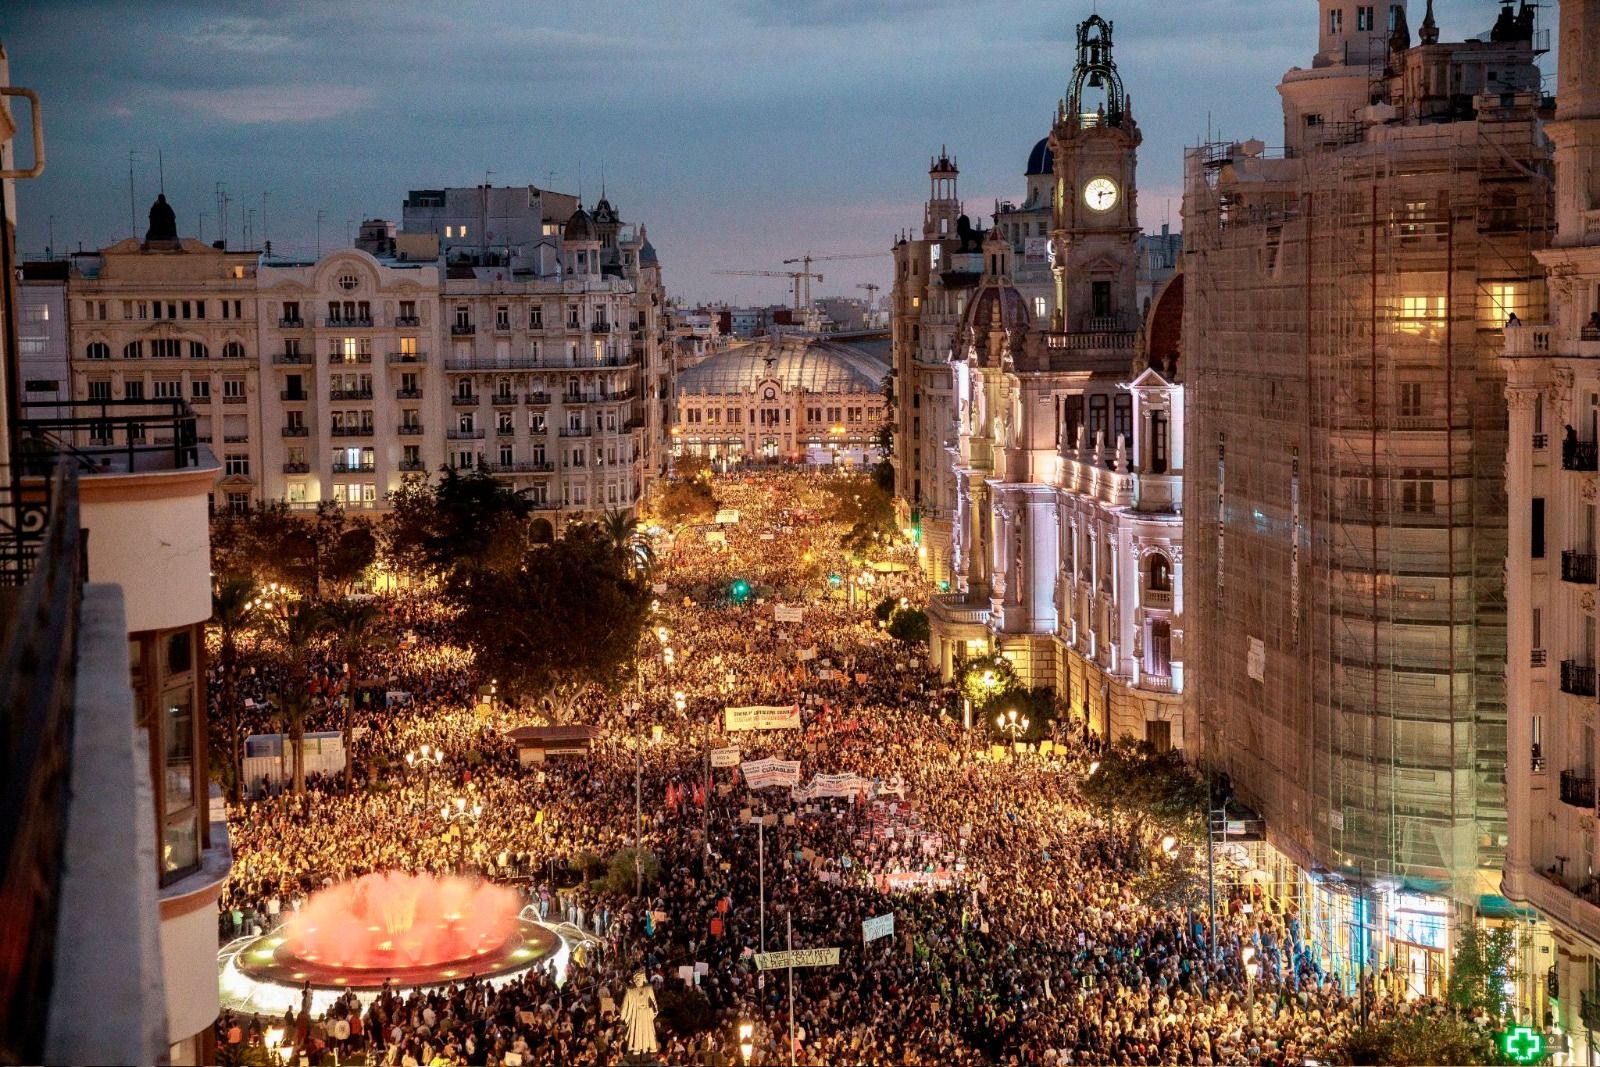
<point>810,363</point>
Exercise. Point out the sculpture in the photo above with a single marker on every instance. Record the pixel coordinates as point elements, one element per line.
<point>639,1015</point>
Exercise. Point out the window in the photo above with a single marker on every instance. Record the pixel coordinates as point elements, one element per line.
<point>200,389</point>
<point>133,350</point>
<point>1122,420</point>
<point>99,390</point>
<point>1416,492</point>
<point>291,311</point>
<point>1313,121</point>
<point>467,422</point>
<point>233,387</point>
<point>933,255</point>
<point>1100,299</point>
<point>348,281</point>
<point>503,423</point>
<point>133,389</point>
<point>1335,21</point>
<point>1071,419</point>
<point>1536,531</point>
<point>198,350</point>
<point>233,350</point>
<point>1098,427</point>
<point>502,317</point>
<point>169,389</point>
<point>1039,309</point>
<point>449,231</point>
<point>1364,17</point>
<point>1160,573</point>
<point>408,312</point>
<point>97,350</point>
<point>1499,301</point>
<point>166,348</point>
<point>536,421</point>
<point>238,503</point>
<point>535,317</point>
<point>1410,400</point>
<point>236,465</point>
<point>463,317</point>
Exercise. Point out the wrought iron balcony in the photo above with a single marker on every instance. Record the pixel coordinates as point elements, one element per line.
<point>1577,678</point>
<point>296,431</point>
<point>1578,567</point>
<point>297,468</point>
<point>601,327</point>
<point>412,465</point>
<point>346,467</point>
<point>410,430</point>
<point>1580,456</point>
<point>538,398</point>
<point>295,396</point>
<point>462,329</point>
<point>295,323</point>
<point>464,435</point>
<point>577,431</point>
<point>407,320</point>
<point>352,431</point>
<point>335,358</point>
<point>464,401</point>
<point>350,394</point>
<point>1589,1010</point>
<point>106,436</point>
<point>291,359</point>
<point>502,399</point>
<point>408,394</point>
<point>342,322</point>
<point>1577,789</point>
<point>408,357</point>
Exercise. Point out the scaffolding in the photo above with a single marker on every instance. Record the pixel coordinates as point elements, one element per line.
<point>1347,435</point>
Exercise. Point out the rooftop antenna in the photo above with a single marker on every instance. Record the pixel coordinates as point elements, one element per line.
<point>50,248</point>
<point>161,170</point>
<point>133,217</point>
<point>264,240</point>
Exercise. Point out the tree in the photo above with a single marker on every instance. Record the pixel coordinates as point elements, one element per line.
<point>688,467</point>
<point>235,610</point>
<point>621,876</point>
<point>468,519</point>
<point>297,629</point>
<point>1420,1038</point>
<point>356,628</point>
<point>569,615</point>
<point>1134,777</point>
<point>688,502</point>
<point>631,546</point>
<point>909,625</point>
<point>1484,964</point>
<point>863,505</point>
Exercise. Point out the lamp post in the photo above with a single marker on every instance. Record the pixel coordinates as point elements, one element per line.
<point>746,1043</point>
<point>425,758</point>
<point>458,812</point>
<point>1252,969</point>
<point>1011,724</point>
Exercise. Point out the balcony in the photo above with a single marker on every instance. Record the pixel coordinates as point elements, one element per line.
<point>577,431</point>
<point>1577,679</point>
<point>502,326</point>
<point>1589,1008</point>
<point>600,327</point>
<point>296,431</point>
<point>522,467</point>
<point>463,435</point>
<point>1580,456</point>
<point>1577,789</point>
<point>411,466</point>
<point>297,468</point>
<point>465,401</point>
<point>350,394</point>
<point>407,320</point>
<point>1158,598</point>
<point>408,357</point>
<point>503,399</point>
<point>235,438</point>
<point>410,429</point>
<point>352,431</point>
<point>408,394</point>
<point>538,398</point>
<point>230,398</point>
<point>336,358</point>
<point>295,323</point>
<point>462,329</point>
<point>1541,441</point>
<point>1589,333</point>
<point>1578,567</point>
<point>1155,683</point>
<point>345,467</point>
<point>342,323</point>
<point>294,396</point>
<point>1537,760</point>
<point>1538,657</point>
<point>291,359</point>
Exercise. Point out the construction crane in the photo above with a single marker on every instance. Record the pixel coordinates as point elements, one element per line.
<point>796,277</point>
<point>806,260</point>
<point>872,292</point>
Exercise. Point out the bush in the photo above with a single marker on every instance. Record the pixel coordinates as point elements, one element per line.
<point>1422,1039</point>
<point>910,626</point>
<point>685,1010</point>
<point>620,876</point>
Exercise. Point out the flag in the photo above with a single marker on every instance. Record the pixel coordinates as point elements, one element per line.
<point>649,924</point>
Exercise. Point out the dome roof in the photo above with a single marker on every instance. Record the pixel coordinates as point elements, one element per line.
<point>580,227</point>
<point>1041,160</point>
<point>647,255</point>
<point>797,362</point>
<point>994,306</point>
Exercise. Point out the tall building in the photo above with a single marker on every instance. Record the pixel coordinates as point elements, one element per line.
<point>1553,393</point>
<point>1344,302</point>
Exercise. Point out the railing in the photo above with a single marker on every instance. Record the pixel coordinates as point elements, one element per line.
<point>228,398</point>
<point>298,396</point>
<point>600,327</point>
<point>346,467</point>
<point>352,431</point>
<point>1158,598</point>
<point>502,399</point>
<point>292,324</point>
<point>1589,333</point>
<point>296,431</point>
<point>522,467</point>
<point>495,363</point>
<point>342,323</point>
<point>291,359</point>
<point>502,325</point>
<point>1577,679</point>
<point>297,468</point>
<point>106,436</point>
<point>1589,1008</point>
<point>1541,441</point>
<point>462,329</point>
<point>336,358</point>
<point>464,401</point>
<point>408,357</point>
<point>1577,789</point>
<point>578,431</point>
<point>1538,657</point>
<point>463,435</point>
<point>410,430</point>
<point>538,398</point>
<point>43,554</point>
<point>412,465</point>
<point>407,320</point>
<point>1580,456</point>
<point>408,394</point>
<point>1578,567</point>
<point>1537,761</point>
<point>350,394</point>
<point>1156,683</point>
<point>1084,339</point>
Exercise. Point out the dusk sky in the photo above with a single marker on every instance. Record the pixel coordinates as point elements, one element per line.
<point>740,132</point>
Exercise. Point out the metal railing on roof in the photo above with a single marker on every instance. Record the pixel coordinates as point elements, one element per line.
<point>106,436</point>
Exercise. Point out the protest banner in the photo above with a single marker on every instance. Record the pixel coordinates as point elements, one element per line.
<point>881,926</point>
<point>786,613</point>
<point>797,957</point>
<point>765,773</point>
<point>762,717</point>
<point>724,757</point>
<point>833,785</point>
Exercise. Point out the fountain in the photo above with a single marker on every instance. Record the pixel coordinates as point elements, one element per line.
<point>407,929</point>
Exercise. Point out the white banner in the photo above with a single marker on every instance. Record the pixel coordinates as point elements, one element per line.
<point>785,613</point>
<point>724,757</point>
<point>881,926</point>
<point>762,717</point>
<point>833,785</point>
<point>727,516</point>
<point>806,653</point>
<point>797,957</point>
<point>764,773</point>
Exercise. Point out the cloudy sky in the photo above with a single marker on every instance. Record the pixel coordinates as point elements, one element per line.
<point>741,132</point>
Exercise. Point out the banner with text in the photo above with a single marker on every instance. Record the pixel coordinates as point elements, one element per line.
<point>765,773</point>
<point>724,757</point>
<point>833,785</point>
<point>785,613</point>
<point>762,717</point>
<point>797,957</point>
<point>881,926</point>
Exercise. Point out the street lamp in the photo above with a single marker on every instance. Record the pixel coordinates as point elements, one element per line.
<point>457,811</point>
<point>666,656</point>
<point>427,758</point>
<point>1251,970</point>
<point>1011,724</point>
<point>747,1045</point>
<point>661,634</point>
<point>681,701</point>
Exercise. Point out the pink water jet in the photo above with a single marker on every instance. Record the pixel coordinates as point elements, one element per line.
<point>394,920</point>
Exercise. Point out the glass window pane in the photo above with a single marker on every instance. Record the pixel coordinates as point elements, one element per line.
<point>178,742</point>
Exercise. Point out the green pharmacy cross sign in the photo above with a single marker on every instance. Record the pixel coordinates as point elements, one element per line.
<point>1522,1044</point>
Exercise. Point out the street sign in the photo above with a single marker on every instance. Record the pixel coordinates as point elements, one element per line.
<point>797,957</point>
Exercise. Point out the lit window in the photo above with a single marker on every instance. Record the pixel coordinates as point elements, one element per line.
<point>449,231</point>
<point>1498,301</point>
<point>463,231</point>
<point>1038,308</point>
<point>1419,312</point>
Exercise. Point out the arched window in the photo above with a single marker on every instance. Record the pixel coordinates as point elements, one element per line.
<point>97,350</point>
<point>198,350</point>
<point>133,350</point>
<point>233,350</point>
<point>1160,573</point>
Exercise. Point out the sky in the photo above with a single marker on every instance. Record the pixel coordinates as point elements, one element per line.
<point>740,132</point>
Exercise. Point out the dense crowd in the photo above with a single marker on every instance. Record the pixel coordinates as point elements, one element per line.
<point>1020,934</point>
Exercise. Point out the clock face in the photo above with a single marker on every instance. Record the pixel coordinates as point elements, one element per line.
<point>1100,194</point>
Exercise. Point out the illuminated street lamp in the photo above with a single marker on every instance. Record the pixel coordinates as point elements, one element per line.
<point>425,758</point>
<point>1252,970</point>
<point>661,634</point>
<point>681,701</point>
<point>746,1040</point>
<point>457,811</point>
<point>1012,724</point>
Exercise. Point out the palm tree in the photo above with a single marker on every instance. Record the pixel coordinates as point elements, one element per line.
<point>355,625</point>
<point>235,610</point>
<point>297,629</point>
<point>631,546</point>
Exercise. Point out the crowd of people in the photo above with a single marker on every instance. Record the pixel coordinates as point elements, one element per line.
<point>1019,934</point>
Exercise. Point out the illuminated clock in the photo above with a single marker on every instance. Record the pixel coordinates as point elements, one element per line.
<point>1100,194</point>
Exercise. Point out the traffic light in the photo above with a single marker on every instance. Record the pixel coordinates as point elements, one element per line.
<point>835,580</point>
<point>739,591</point>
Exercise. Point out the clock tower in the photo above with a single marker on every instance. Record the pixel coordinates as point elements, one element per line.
<point>1095,224</point>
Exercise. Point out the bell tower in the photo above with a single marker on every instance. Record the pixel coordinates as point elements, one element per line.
<point>1095,224</point>
<point>944,206</point>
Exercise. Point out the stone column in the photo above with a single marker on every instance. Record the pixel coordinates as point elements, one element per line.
<point>1519,637</point>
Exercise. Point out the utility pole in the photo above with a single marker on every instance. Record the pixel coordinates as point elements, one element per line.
<point>263,219</point>
<point>761,876</point>
<point>789,918</point>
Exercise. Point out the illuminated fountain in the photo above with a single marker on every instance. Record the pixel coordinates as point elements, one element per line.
<point>409,929</point>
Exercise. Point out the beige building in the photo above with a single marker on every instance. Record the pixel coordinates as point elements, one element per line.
<point>792,398</point>
<point>1346,529</point>
<point>1552,384</point>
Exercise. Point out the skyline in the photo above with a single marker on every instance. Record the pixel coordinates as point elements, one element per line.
<point>742,148</point>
